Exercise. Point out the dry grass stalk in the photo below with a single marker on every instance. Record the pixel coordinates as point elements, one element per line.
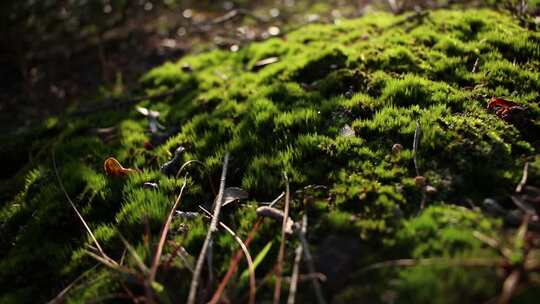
<point>194,161</point>
<point>523,180</point>
<point>233,265</point>
<point>164,232</point>
<point>60,298</point>
<point>251,267</point>
<point>277,199</point>
<point>101,252</point>
<point>296,268</point>
<point>309,261</point>
<point>212,228</point>
<point>281,253</point>
<point>102,255</point>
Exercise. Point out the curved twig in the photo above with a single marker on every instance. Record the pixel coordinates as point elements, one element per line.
<point>251,267</point>
<point>233,265</point>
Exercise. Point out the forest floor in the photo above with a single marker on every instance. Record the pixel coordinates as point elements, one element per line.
<point>387,158</point>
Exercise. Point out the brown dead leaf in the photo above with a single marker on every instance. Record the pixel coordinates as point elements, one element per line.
<point>114,168</point>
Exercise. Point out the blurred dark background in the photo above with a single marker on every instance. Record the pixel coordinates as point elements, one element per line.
<point>56,54</point>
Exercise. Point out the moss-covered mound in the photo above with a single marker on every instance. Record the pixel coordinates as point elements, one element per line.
<point>336,108</point>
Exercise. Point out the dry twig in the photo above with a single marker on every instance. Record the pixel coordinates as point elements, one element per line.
<point>212,228</point>
<point>101,252</point>
<point>523,181</point>
<point>233,265</point>
<point>309,260</point>
<point>296,268</point>
<point>60,298</point>
<point>281,253</point>
<point>164,232</point>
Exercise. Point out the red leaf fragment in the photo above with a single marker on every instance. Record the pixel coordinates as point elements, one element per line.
<point>504,109</point>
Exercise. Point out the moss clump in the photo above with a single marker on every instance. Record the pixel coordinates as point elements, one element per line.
<point>378,76</point>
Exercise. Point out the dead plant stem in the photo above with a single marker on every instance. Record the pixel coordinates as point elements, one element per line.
<point>211,229</point>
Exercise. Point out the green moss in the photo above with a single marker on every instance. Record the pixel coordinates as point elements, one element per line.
<point>379,76</point>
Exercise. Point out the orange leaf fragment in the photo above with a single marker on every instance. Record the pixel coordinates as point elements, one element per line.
<point>114,168</point>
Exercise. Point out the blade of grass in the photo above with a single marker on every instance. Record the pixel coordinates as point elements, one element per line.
<point>258,260</point>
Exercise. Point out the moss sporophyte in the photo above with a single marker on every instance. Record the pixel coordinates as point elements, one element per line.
<point>331,105</point>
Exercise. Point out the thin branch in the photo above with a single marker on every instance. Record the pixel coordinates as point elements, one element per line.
<point>475,66</point>
<point>509,287</point>
<point>164,232</point>
<point>212,228</point>
<point>210,264</point>
<point>251,267</point>
<point>142,267</point>
<point>233,265</point>
<point>281,253</point>
<point>296,269</point>
<point>309,261</point>
<point>523,178</point>
<point>277,199</point>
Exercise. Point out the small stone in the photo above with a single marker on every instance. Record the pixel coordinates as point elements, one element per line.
<point>420,181</point>
<point>347,131</point>
<point>430,189</point>
<point>171,167</point>
<point>149,185</point>
<point>187,68</point>
<point>187,215</point>
<point>396,148</point>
